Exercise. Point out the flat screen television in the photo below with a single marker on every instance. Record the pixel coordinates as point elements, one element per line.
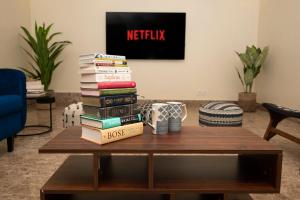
<point>143,35</point>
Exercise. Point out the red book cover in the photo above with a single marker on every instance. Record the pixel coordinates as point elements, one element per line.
<point>118,84</point>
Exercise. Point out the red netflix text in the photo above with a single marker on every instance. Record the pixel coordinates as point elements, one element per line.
<point>146,35</point>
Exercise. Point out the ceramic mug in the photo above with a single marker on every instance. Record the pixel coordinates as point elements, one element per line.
<point>144,109</point>
<point>160,117</point>
<point>177,114</point>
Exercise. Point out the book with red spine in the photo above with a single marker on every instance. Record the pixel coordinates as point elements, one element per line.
<point>117,84</point>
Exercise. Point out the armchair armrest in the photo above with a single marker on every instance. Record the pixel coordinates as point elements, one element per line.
<point>13,82</point>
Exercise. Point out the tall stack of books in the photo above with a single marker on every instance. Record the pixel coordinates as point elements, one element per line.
<point>109,99</point>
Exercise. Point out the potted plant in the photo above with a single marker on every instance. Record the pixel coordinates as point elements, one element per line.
<point>43,53</point>
<point>252,60</point>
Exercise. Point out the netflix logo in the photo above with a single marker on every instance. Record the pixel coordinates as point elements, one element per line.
<point>134,35</point>
<point>146,35</point>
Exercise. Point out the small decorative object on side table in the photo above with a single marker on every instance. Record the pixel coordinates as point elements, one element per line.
<point>45,99</point>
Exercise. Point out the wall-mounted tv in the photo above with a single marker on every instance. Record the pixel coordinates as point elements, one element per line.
<point>144,35</point>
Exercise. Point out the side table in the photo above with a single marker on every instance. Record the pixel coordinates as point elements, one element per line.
<point>47,99</point>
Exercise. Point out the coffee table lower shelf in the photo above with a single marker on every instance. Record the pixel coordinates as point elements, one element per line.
<point>174,177</point>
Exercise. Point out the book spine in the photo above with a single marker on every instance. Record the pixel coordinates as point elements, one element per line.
<point>104,92</point>
<point>105,77</point>
<point>110,65</point>
<point>131,119</point>
<point>119,121</point>
<point>118,84</point>
<point>121,132</point>
<point>87,65</point>
<point>116,62</point>
<point>98,61</point>
<point>117,100</point>
<point>107,56</point>
<point>103,56</point>
<point>115,111</point>
<point>111,122</point>
<point>105,70</point>
<point>112,77</point>
<point>118,111</point>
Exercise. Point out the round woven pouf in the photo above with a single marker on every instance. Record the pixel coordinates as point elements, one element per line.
<point>220,114</point>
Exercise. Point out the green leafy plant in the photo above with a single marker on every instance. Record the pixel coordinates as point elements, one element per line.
<point>43,53</point>
<point>252,60</point>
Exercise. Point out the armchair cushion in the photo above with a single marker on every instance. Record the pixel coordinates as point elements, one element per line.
<point>10,104</point>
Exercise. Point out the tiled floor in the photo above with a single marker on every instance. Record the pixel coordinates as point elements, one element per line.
<point>23,172</point>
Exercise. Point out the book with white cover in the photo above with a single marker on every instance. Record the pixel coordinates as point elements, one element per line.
<point>39,94</point>
<point>105,77</point>
<point>100,55</point>
<point>34,82</point>
<point>34,85</point>
<point>101,61</point>
<point>105,70</point>
<point>91,85</point>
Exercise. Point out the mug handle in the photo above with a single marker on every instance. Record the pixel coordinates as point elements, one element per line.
<point>148,117</point>
<point>185,113</point>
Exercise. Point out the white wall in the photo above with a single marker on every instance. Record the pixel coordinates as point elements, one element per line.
<point>13,14</point>
<point>279,28</point>
<point>214,30</point>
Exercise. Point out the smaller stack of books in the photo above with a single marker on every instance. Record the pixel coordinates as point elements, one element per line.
<point>34,89</point>
<point>109,99</point>
<point>102,131</point>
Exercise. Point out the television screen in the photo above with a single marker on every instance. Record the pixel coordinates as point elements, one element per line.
<point>140,35</point>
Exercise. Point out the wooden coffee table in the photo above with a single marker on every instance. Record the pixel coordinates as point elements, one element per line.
<point>199,163</point>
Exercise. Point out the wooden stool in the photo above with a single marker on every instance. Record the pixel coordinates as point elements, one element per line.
<point>277,114</point>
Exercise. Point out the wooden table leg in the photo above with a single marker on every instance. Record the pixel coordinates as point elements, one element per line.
<point>274,120</point>
<point>150,170</point>
<point>96,170</point>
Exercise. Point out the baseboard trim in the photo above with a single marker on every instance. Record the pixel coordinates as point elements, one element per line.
<point>66,98</point>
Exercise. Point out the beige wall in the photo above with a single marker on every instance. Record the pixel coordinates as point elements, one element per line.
<point>214,30</point>
<point>13,14</point>
<point>279,28</point>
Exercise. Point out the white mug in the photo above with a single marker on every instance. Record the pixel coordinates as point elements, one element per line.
<point>160,117</point>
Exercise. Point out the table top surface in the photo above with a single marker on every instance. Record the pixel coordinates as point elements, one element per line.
<point>191,139</point>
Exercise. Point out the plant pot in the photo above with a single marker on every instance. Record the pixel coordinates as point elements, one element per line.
<point>247,101</point>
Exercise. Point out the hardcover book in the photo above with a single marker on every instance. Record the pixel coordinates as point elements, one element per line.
<point>105,70</point>
<point>105,77</point>
<point>114,111</point>
<point>108,85</point>
<point>102,64</point>
<point>109,122</point>
<point>118,84</point>
<point>101,55</point>
<point>112,134</point>
<point>102,60</point>
<point>105,92</point>
<point>108,101</point>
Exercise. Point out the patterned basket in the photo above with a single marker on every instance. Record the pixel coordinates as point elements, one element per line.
<point>71,115</point>
<point>220,114</point>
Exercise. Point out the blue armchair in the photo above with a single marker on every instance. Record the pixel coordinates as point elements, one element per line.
<point>13,107</point>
